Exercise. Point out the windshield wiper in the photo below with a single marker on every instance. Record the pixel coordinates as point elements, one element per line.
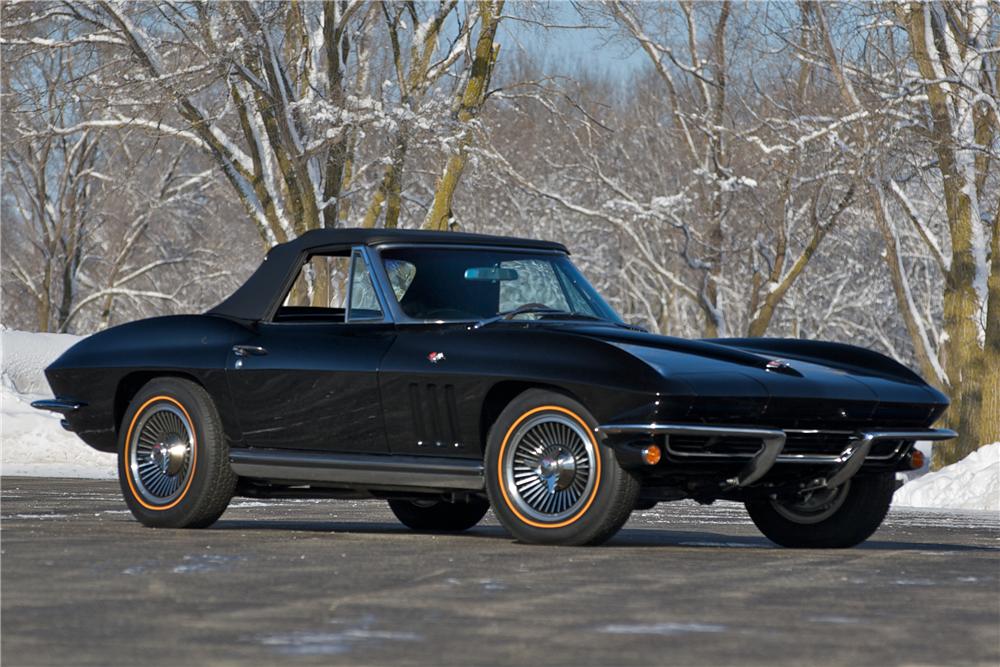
<point>539,309</point>
<point>526,309</point>
<point>595,318</point>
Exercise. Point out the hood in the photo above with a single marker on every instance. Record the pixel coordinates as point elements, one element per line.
<point>754,377</point>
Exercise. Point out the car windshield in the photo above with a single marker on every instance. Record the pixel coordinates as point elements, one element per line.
<point>458,284</point>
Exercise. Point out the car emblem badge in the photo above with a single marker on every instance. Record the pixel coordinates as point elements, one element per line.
<point>435,357</point>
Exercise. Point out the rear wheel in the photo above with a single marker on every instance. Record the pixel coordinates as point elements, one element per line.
<point>841,517</point>
<point>439,515</point>
<point>549,478</point>
<point>173,462</point>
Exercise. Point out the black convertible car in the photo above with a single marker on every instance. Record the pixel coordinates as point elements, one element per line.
<point>449,373</point>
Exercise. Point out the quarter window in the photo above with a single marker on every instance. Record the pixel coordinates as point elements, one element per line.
<point>364,301</point>
<point>401,274</point>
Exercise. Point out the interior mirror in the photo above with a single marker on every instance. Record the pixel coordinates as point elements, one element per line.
<point>490,273</point>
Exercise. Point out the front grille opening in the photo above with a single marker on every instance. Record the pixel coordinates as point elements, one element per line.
<point>824,444</point>
<point>694,445</point>
<point>828,443</point>
<point>883,449</point>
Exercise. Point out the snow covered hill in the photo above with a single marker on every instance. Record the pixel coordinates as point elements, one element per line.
<point>33,443</point>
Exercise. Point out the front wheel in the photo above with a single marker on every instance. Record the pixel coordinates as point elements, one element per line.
<point>173,462</point>
<point>550,480</point>
<point>837,518</point>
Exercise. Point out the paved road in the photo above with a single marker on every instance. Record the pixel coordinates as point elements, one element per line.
<point>340,582</point>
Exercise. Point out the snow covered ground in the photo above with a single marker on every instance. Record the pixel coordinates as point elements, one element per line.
<point>33,443</point>
<point>973,483</point>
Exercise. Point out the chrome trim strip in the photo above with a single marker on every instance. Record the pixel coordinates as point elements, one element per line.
<point>383,298</point>
<point>849,460</point>
<point>57,405</point>
<point>467,246</point>
<point>690,429</point>
<point>376,470</point>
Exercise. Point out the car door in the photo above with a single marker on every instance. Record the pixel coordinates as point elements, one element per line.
<point>308,379</point>
<point>436,374</point>
<point>432,383</point>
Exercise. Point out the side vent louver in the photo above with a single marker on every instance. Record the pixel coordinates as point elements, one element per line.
<point>435,415</point>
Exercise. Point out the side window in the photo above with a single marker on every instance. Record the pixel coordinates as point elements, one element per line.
<point>364,302</point>
<point>536,282</point>
<point>319,291</point>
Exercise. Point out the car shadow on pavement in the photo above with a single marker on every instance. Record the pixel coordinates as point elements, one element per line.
<point>627,537</point>
<point>356,527</point>
<point>639,537</point>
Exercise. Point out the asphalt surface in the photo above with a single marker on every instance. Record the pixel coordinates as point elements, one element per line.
<point>341,582</point>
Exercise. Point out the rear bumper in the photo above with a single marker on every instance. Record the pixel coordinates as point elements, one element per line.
<point>839,467</point>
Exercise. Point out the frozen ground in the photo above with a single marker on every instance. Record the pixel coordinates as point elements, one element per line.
<point>34,444</point>
<point>305,582</point>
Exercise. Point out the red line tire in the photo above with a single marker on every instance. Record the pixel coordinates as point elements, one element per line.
<point>549,476</point>
<point>173,460</point>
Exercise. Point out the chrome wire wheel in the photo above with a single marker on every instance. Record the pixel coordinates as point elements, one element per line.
<point>161,453</point>
<point>817,506</point>
<point>548,467</point>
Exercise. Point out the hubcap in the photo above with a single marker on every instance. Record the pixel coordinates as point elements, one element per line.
<point>169,455</point>
<point>548,467</point>
<point>160,453</point>
<point>817,506</point>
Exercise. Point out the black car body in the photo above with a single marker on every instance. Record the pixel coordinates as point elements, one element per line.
<point>398,393</point>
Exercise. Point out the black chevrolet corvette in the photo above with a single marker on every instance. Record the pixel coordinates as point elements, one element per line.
<point>450,373</point>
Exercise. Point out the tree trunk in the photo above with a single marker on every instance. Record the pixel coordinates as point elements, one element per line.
<point>989,416</point>
<point>471,101</point>
<point>963,357</point>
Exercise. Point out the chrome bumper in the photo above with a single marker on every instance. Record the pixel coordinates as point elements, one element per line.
<point>57,405</point>
<point>845,465</point>
<point>60,406</point>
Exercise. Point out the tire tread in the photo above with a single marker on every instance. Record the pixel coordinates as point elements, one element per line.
<point>858,518</point>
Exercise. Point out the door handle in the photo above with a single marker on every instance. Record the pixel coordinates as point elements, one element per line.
<point>249,350</point>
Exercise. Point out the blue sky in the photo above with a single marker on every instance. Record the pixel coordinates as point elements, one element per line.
<point>562,51</point>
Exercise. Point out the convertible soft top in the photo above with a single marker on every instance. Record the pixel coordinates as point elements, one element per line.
<point>254,299</point>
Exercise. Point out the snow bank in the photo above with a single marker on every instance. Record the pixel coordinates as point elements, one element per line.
<point>24,356</point>
<point>32,442</point>
<point>972,484</point>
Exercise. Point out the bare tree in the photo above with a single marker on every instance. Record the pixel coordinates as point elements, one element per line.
<point>84,243</point>
<point>951,103</point>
